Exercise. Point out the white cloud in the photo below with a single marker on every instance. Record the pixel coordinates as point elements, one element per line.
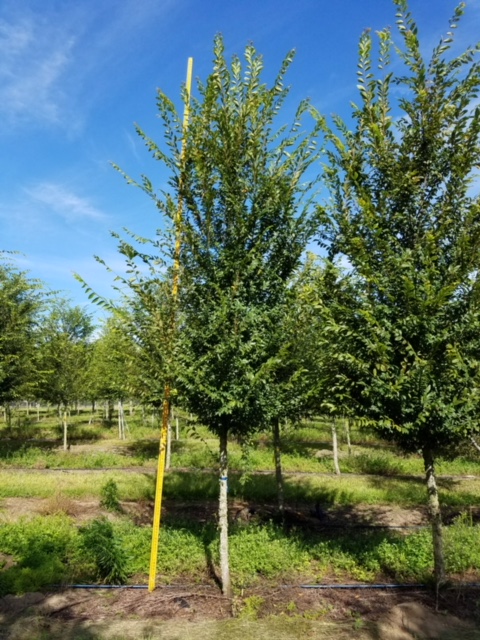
<point>58,60</point>
<point>64,202</point>
<point>34,60</point>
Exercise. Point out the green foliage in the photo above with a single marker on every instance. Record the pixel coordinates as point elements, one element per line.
<point>63,353</point>
<point>50,550</point>
<point>405,214</point>
<point>100,541</point>
<point>245,221</point>
<point>462,542</point>
<point>250,607</point>
<point>21,300</point>
<point>182,548</point>
<point>110,498</point>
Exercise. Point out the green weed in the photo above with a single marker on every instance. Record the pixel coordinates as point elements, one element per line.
<point>250,607</point>
<point>100,541</point>
<point>110,498</point>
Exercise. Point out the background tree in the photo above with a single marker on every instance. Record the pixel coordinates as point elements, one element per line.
<point>21,300</point>
<point>406,215</point>
<point>109,375</point>
<point>64,349</point>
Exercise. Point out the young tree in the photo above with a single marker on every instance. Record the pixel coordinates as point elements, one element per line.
<point>109,372</point>
<point>247,220</point>
<point>406,215</point>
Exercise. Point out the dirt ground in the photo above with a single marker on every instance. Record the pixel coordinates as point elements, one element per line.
<point>178,612</point>
<point>311,517</point>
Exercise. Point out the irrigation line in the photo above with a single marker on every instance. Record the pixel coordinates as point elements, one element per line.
<point>363,586</point>
<point>380,586</point>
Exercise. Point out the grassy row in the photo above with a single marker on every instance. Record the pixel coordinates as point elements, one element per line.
<point>51,550</point>
<point>306,448</point>
<point>202,454</point>
<point>331,490</point>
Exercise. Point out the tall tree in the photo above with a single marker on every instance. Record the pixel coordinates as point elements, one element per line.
<point>406,214</point>
<point>108,376</point>
<point>246,218</point>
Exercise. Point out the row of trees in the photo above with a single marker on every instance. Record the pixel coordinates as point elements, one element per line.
<point>50,352</point>
<point>257,333</point>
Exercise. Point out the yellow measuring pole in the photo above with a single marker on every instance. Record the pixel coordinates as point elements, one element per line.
<point>157,512</point>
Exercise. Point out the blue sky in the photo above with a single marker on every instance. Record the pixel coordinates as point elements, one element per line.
<point>76,74</point>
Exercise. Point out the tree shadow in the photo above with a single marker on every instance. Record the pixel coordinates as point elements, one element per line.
<point>10,447</point>
<point>148,448</point>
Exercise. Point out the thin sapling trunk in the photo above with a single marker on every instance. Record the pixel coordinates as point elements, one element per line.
<point>435,518</point>
<point>65,431</point>
<point>335,447</point>
<point>277,453</point>
<point>223,516</point>
<point>347,434</point>
<point>168,455</point>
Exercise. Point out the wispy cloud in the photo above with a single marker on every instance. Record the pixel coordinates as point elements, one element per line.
<point>34,60</point>
<point>57,61</point>
<point>64,202</point>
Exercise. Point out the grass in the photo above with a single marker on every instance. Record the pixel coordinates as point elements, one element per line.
<point>37,484</point>
<point>197,485</point>
<point>306,448</point>
<point>51,549</point>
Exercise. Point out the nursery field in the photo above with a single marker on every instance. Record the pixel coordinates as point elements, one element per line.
<point>83,516</point>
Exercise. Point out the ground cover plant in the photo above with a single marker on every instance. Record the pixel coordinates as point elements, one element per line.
<point>49,550</point>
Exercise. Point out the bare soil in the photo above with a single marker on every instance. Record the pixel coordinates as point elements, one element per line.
<point>183,611</point>
<point>310,517</point>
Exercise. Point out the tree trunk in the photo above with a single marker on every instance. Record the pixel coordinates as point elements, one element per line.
<point>121,426</point>
<point>335,447</point>
<point>109,411</point>
<point>347,433</point>
<point>168,455</point>
<point>177,429</point>
<point>277,454</point>
<point>435,518</point>
<point>223,517</point>
<point>38,412</point>
<point>8,414</point>
<point>65,431</point>
<point>475,443</point>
